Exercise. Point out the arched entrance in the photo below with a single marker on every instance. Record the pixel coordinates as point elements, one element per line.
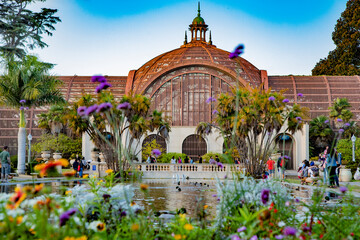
<point>193,146</point>
<point>158,139</point>
<point>286,146</point>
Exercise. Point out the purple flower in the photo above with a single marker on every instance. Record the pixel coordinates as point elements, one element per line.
<point>287,157</point>
<point>279,236</point>
<point>347,124</point>
<point>102,86</point>
<point>219,164</point>
<point>297,200</point>
<point>210,99</point>
<point>100,79</point>
<point>343,189</point>
<point>326,121</point>
<point>91,109</point>
<point>22,101</point>
<point>238,51</point>
<point>300,95</point>
<point>339,120</point>
<point>289,231</point>
<point>22,108</point>
<point>124,105</point>
<point>285,100</point>
<point>235,237</point>
<point>104,106</point>
<point>265,194</point>
<point>272,98</point>
<point>298,118</point>
<point>81,110</point>
<point>106,197</point>
<point>123,214</point>
<point>287,203</point>
<point>341,130</point>
<point>156,152</point>
<point>214,195</point>
<point>254,238</point>
<point>66,216</point>
<point>26,108</point>
<point>241,229</point>
<point>215,112</point>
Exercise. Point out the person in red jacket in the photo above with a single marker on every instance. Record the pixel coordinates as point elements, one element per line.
<point>271,167</point>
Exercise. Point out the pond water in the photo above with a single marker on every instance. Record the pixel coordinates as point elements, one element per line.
<point>167,194</point>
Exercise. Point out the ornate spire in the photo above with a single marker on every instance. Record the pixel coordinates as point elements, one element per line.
<point>198,9</point>
<point>185,41</point>
<point>198,28</point>
<point>210,41</point>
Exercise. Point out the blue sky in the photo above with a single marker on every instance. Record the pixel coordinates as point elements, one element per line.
<point>112,37</point>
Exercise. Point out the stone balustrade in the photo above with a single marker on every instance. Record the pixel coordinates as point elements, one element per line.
<point>168,170</point>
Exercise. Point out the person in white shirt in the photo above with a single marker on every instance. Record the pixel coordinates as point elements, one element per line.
<point>173,161</point>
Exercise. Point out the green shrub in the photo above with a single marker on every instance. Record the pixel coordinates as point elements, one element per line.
<point>166,157</point>
<point>13,164</point>
<point>206,157</point>
<point>344,146</point>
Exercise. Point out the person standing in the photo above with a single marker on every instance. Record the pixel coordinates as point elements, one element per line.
<point>332,165</point>
<point>76,166</point>
<point>81,168</point>
<point>5,164</point>
<point>217,159</point>
<point>271,165</point>
<point>200,159</point>
<point>338,166</point>
<point>186,160</point>
<point>173,161</point>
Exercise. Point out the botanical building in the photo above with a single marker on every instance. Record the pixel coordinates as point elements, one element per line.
<point>180,81</point>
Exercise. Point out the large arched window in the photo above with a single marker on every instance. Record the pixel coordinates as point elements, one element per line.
<point>158,139</point>
<point>182,94</point>
<point>286,146</point>
<point>193,146</point>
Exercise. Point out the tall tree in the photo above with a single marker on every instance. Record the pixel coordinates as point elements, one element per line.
<point>27,84</point>
<point>345,58</point>
<point>320,134</point>
<point>21,28</point>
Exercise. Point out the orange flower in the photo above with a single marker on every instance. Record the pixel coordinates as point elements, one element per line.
<point>16,199</point>
<point>135,227</point>
<point>38,188</point>
<point>144,187</point>
<point>188,227</point>
<point>19,219</point>
<point>132,203</point>
<point>63,162</point>
<point>46,167</point>
<point>69,173</point>
<point>206,206</point>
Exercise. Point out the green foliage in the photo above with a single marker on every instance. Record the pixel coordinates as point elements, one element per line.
<point>29,80</point>
<point>147,149</point>
<point>22,28</point>
<point>344,146</point>
<point>13,162</point>
<point>60,143</point>
<point>206,157</point>
<point>340,110</point>
<point>344,59</point>
<point>166,157</point>
<point>320,134</point>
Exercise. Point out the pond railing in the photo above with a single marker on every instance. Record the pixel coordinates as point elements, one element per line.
<point>168,170</point>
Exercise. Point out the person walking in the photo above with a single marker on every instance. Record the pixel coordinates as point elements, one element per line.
<point>270,164</point>
<point>5,164</point>
<point>81,168</point>
<point>338,166</point>
<point>76,167</point>
<point>200,159</point>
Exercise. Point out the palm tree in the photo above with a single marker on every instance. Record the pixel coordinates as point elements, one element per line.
<point>340,110</point>
<point>320,133</point>
<point>27,84</point>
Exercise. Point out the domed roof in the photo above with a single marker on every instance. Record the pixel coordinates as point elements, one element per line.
<point>195,54</point>
<point>198,20</point>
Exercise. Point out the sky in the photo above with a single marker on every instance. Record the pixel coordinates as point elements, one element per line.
<point>112,37</point>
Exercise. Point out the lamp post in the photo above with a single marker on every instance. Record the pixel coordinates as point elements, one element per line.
<point>29,154</point>
<point>353,139</point>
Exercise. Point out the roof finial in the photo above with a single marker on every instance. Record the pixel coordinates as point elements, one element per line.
<point>185,41</point>
<point>198,9</point>
<point>210,41</point>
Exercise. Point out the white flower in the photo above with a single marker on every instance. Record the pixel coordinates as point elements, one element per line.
<point>93,225</point>
<point>281,224</point>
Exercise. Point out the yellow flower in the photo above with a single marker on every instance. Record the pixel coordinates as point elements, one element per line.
<point>177,237</point>
<point>206,206</point>
<point>32,231</point>
<point>63,162</point>
<point>86,176</point>
<point>144,187</point>
<point>188,227</point>
<point>69,238</point>
<point>109,171</point>
<point>16,198</point>
<point>69,173</point>
<point>68,192</point>
<point>182,217</point>
<point>38,188</point>
<point>82,238</point>
<point>101,227</point>
<point>135,227</point>
<point>19,219</point>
